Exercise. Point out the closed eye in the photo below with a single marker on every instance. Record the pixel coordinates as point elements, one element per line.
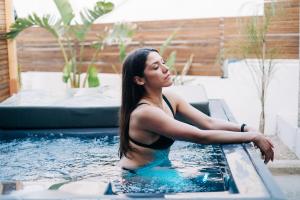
<point>155,65</point>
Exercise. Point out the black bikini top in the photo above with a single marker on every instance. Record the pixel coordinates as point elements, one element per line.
<point>162,142</point>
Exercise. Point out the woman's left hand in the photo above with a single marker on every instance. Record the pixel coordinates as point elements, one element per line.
<point>266,147</point>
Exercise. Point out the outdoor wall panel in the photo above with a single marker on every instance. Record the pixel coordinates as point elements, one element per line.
<point>204,38</point>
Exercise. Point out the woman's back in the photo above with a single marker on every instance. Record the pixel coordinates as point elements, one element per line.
<point>148,147</point>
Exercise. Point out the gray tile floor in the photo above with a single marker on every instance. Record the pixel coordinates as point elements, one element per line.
<point>286,170</point>
<point>290,185</point>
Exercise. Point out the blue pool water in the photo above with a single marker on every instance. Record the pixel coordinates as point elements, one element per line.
<point>190,167</point>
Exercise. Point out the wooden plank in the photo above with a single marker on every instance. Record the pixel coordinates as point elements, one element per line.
<point>4,86</point>
<point>53,67</point>
<point>2,28</point>
<point>201,54</point>
<point>3,51</point>
<point>3,58</point>
<point>4,65</point>
<point>169,24</point>
<point>3,42</point>
<point>4,80</point>
<point>3,72</point>
<point>3,47</point>
<point>4,97</point>
<point>4,92</point>
<point>276,29</point>
<point>3,76</point>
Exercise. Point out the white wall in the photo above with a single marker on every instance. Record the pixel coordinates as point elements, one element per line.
<point>240,94</point>
<point>282,97</point>
<point>289,134</point>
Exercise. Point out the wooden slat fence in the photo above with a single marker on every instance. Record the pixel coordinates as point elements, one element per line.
<point>38,51</point>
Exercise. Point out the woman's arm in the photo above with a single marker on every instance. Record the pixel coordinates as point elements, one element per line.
<point>202,120</point>
<point>153,119</point>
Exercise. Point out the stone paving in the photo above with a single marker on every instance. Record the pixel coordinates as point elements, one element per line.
<point>282,152</point>
<point>286,169</point>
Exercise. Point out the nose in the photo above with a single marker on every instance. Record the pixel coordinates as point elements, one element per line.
<point>164,68</point>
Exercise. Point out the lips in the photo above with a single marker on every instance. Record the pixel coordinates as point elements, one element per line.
<point>167,77</point>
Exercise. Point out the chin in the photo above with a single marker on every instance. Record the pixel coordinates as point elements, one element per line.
<point>168,84</point>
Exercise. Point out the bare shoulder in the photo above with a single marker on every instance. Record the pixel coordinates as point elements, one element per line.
<point>145,112</point>
<point>153,119</point>
<point>171,96</point>
<point>174,98</point>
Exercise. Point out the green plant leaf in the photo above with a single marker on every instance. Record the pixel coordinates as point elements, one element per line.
<point>89,16</point>
<point>17,27</point>
<point>121,33</point>
<point>57,185</point>
<point>97,45</point>
<point>122,52</point>
<point>65,11</point>
<point>93,80</point>
<point>68,35</point>
<point>47,22</point>
<point>171,62</point>
<point>67,71</point>
<point>105,6</point>
<point>167,42</point>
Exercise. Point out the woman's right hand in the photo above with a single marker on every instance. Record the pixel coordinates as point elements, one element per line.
<point>266,147</point>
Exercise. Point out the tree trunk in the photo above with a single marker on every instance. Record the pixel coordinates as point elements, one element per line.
<point>262,119</point>
<point>263,89</point>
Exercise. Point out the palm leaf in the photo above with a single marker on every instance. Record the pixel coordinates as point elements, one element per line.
<point>65,10</point>
<point>58,185</point>
<point>47,22</point>
<point>171,62</point>
<point>121,33</point>
<point>122,51</point>
<point>93,80</point>
<point>67,71</point>
<point>167,42</point>
<point>89,16</point>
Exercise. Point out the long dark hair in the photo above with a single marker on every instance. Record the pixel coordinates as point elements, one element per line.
<point>134,65</point>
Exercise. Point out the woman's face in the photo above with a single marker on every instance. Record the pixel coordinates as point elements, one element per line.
<point>156,73</point>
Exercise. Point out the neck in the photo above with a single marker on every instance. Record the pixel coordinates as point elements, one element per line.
<point>154,96</point>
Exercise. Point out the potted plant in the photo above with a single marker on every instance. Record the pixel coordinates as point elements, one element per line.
<point>69,34</point>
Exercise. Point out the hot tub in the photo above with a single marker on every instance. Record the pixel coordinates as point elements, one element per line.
<point>243,174</point>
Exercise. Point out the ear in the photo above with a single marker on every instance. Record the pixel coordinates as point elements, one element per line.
<point>138,80</point>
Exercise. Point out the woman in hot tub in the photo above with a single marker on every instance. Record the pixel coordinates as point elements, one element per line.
<point>147,124</point>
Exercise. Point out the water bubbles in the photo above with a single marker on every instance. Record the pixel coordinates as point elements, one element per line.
<point>194,167</point>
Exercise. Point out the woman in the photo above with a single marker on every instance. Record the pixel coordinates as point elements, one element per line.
<point>147,124</point>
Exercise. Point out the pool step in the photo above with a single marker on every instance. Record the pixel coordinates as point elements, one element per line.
<point>44,189</point>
